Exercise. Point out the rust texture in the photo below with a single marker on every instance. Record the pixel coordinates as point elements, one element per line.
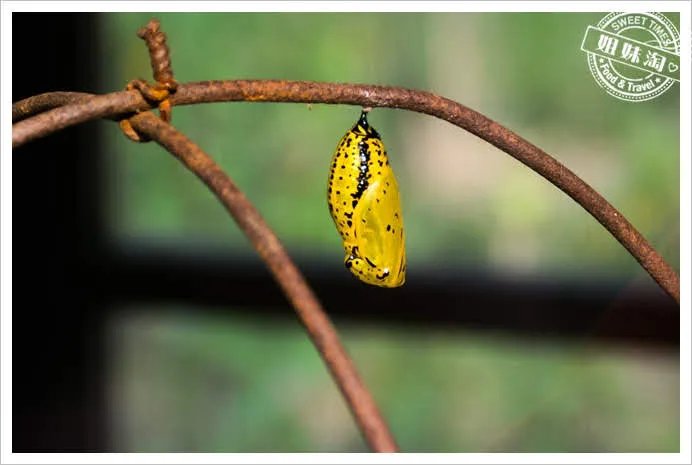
<point>61,117</point>
<point>374,96</point>
<point>159,54</point>
<point>44,102</point>
<point>286,273</point>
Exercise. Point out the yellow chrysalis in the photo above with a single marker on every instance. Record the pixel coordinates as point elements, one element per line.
<point>363,198</point>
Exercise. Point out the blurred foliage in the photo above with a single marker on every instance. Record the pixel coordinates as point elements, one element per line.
<point>189,384</point>
<point>465,203</point>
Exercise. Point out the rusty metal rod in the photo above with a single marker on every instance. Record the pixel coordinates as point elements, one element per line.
<point>265,242</point>
<point>119,103</point>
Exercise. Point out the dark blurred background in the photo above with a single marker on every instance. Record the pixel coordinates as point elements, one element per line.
<point>143,322</point>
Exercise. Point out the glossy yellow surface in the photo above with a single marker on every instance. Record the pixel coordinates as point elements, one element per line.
<point>363,198</point>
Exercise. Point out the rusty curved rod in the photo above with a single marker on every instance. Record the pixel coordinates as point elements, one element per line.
<point>120,103</point>
<point>43,102</point>
<point>314,319</point>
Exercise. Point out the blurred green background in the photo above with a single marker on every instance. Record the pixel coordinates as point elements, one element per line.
<point>187,382</point>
